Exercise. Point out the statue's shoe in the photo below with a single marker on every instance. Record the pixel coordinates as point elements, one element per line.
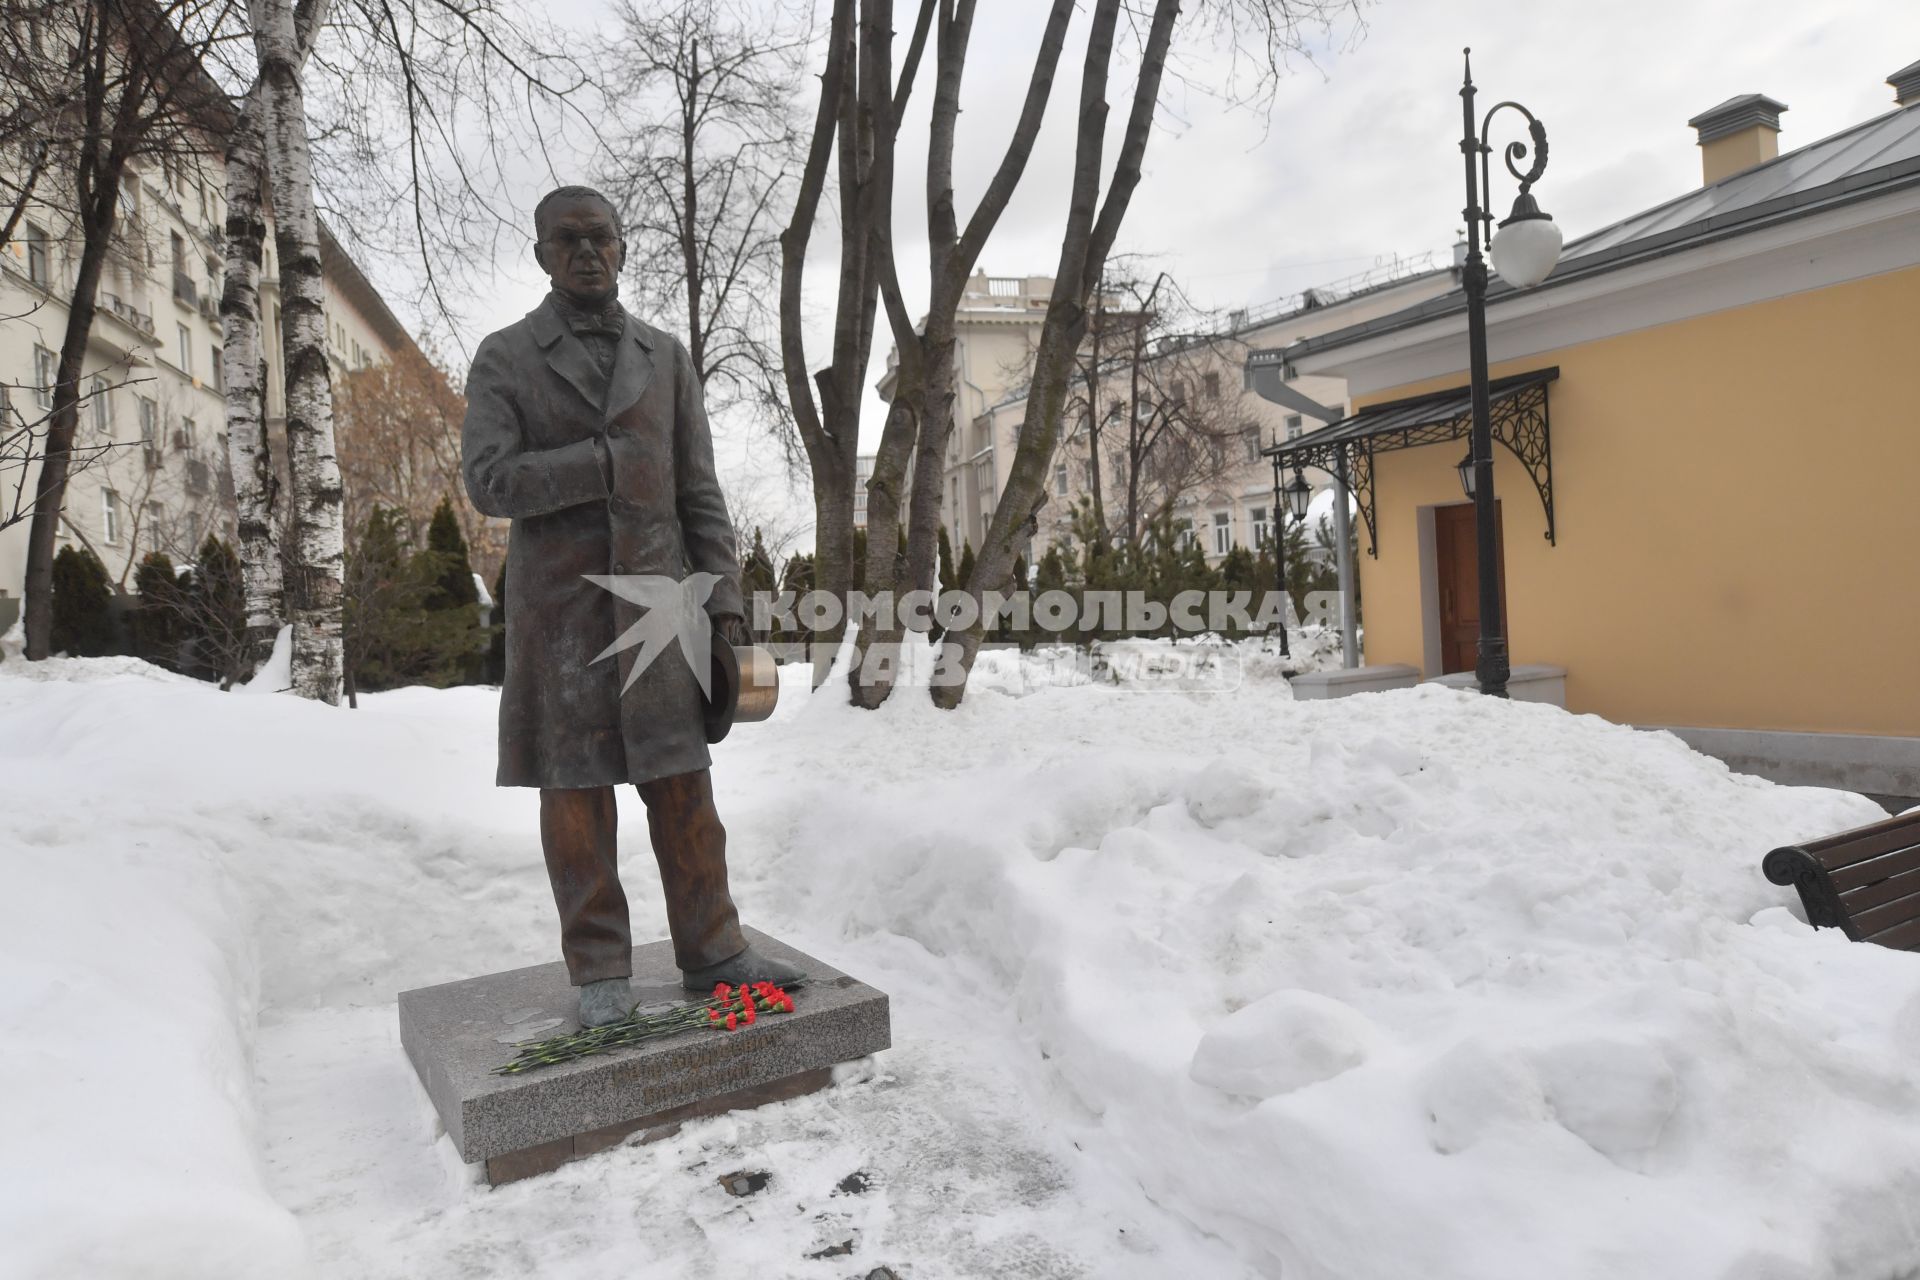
<point>608,1000</point>
<point>747,967</point>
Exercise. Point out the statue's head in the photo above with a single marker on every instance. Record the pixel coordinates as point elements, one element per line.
<point>579,242</point>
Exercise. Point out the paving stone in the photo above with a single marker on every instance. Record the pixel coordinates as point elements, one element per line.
<point>528,1123</point>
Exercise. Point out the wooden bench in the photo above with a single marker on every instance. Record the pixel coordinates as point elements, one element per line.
<point>1865,881</point>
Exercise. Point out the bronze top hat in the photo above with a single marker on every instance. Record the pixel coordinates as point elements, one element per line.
<point>745,686</point>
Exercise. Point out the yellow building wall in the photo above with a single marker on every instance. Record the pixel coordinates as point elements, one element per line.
<point>1738,509</point>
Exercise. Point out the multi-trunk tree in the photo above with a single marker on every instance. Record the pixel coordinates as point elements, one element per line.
<point>921,417</point>
<point>856,122</point>
<point>858,117</point>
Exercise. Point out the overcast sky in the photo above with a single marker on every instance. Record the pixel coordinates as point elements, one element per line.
<point>1358,158</point>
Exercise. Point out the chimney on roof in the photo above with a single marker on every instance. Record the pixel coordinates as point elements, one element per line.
<point>1906,85</point>
<point>1737,135</point>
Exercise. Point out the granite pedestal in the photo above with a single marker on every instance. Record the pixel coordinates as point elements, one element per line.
<point>519,1125</point>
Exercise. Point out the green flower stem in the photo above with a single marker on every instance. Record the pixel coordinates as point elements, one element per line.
<point>634,1029</point>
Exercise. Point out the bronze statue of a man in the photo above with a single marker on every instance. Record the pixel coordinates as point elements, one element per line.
<point>586,428</point>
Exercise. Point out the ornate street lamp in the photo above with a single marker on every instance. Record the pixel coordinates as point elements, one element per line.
<point>1291,499</point>
<point>1299,495</point>
<point>1524,249</point>
<point>1280,555</point>
<point>1465,468</point>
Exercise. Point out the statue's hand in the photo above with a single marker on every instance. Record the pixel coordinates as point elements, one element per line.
<point>734,628</point>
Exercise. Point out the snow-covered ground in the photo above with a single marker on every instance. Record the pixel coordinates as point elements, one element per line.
<point>1407,985</point>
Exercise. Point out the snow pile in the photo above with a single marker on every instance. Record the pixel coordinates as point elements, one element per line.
<point>1418,983</point>
<point>1408,984</point>
<point>1204,663</point>
<point>128,983</point>
<point>276,673</point>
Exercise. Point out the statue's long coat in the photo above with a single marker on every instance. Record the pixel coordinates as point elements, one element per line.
<point>536,403</point>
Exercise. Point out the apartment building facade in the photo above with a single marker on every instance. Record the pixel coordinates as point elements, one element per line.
<point>150,471</point>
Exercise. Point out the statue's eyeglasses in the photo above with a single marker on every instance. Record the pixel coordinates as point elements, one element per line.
<point>598,241</point>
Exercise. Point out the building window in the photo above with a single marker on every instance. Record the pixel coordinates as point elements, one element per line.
<point>153,526</point>
<point>46,368</point>
<point>1183,533</point>
<point>193,533</point>
<point>186,433</point>
<point>1294,426</point>
<point>215,373</point>
<point>1222,532</point>
<point>1060,480</point>
<point>1177,394</point>
<point>149,432</point>
<point>1252,434</point>
<point>102,419</point>
<point>110,517</point>
<point>39,261</point>
<point>1211,384</point>
<point>1257,527</point>
<point>186,349</point>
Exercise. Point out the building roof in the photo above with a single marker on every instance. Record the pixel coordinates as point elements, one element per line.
<point>1321,299</point>
<point>1870,159</point>
<point>345,275</point>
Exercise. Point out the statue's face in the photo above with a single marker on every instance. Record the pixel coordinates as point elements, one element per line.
<point>579,248</point>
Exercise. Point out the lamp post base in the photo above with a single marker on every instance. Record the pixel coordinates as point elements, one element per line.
<point>1492,668</point>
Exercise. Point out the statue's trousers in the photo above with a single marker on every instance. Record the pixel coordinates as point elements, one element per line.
<point>577,830</point>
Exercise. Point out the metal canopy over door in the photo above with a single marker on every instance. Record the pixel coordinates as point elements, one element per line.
<point>1459,583</point>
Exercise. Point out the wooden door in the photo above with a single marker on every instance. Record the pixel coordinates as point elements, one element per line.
<point>1457,559</point>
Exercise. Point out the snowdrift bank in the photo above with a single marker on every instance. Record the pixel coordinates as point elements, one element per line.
<point>1410,984</point>
<point>128,990</point>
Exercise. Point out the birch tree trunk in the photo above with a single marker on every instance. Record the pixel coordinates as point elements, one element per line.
<point>256,484</point>
<point>314,563</point>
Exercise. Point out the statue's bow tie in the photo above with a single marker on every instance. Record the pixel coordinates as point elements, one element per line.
<point>611,326</point>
